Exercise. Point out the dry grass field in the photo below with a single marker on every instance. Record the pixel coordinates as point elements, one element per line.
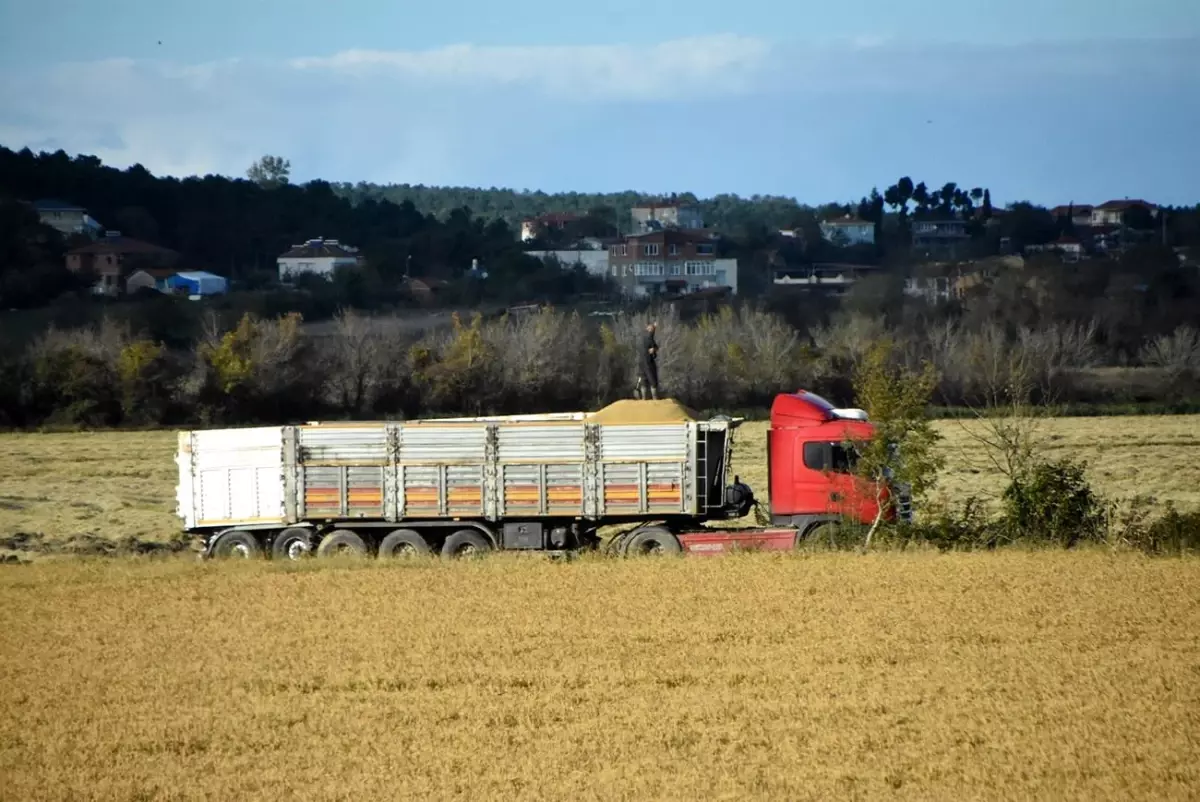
<point>115,485</point>
<point>1012,675</point>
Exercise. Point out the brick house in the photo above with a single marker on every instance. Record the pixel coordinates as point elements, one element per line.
<point>113,258</point>
<point>671,260</point>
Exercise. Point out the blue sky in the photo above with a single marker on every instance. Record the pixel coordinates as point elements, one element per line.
<point>1054,102</point>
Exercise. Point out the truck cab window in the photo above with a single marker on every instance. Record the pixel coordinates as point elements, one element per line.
<point>829,457</point>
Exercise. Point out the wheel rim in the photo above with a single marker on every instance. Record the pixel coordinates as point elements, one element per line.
<point>298,549</point>
<point>240,550</point>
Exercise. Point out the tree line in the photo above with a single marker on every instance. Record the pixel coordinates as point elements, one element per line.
<point>273,370</point>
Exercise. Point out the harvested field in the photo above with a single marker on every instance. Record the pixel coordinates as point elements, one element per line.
<point>113,486</point>
<point>895,676</point>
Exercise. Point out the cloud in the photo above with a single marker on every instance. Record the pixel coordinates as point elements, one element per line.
<point>683,67</point>
<point>475,115</point>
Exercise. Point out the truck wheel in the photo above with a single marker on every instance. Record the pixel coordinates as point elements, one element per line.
<point>292,544</point>
<point>464,543</point>
<point>652,540</point>
<point>237,543</point>
<point>342,543</point>
<point>403,543</point>
<point>827,533</point>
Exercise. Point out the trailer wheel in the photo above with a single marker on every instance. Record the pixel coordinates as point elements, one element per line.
<point>465,543</point>
<point>237,543</point>
<point>342,543</point>
<point>652,540</point>
<point>292,544</point>
<point>403,543</point>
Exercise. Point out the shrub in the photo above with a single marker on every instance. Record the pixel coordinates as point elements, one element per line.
<point>950,528</point>
<point>1053,502</point>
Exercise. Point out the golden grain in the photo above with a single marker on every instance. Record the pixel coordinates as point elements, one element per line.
<point>899,676</point>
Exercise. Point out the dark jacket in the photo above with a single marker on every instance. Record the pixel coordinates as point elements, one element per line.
<point>647,343</point>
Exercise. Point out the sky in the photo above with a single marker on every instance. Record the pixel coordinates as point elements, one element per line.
<point>1054,102</point>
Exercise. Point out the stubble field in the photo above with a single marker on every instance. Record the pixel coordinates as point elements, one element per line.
<point>1011,675</point>
<point>895,676</point>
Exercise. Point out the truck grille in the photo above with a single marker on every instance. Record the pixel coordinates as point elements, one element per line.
<point>904,504</point>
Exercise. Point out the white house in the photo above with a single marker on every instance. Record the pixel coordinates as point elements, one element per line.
<point>648,217</point>
<point>594,261</point>
<point>849,230</point>
<point>318,256</point>
<point>67,218</point>
<point>1112,213</point>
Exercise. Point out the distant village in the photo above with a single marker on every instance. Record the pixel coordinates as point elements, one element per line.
<point>668,251</point>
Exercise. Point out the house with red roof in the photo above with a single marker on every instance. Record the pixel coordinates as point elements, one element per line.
<point>114,257</point>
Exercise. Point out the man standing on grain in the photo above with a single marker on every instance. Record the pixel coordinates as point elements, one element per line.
<point>648,365</point>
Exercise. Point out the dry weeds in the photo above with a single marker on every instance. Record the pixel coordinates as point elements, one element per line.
<point>117,485</point>
<point>918,676</point>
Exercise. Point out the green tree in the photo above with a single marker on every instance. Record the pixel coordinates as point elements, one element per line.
<point>270,172</point>
<point>903,448</point>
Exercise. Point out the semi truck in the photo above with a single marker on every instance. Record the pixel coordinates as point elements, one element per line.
<point>547,483</point>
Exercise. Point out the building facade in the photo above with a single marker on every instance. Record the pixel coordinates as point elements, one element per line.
<point>1112,213</point>
<point>113,258</point>
<point>651,217</point>
<point>66,218</point>
<point>320,257</point>
<point>944,239</point>
<point>596,262</point>
<point>669,261</point>
<point>848,230</point>
<point>534,227</point>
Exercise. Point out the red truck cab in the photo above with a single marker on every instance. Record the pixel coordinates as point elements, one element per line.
<point>811,464</point>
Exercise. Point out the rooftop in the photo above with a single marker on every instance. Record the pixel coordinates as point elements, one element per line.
<point>1127,203</point>
<point>55,205</point>
<point>113,242</point>
<point>320,247</point>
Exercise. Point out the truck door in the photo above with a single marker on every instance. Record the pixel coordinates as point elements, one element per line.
<point>825,480</point>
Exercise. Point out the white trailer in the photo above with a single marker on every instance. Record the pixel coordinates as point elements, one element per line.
<point>533,482</point>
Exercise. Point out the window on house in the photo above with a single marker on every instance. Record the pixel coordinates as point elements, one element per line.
<point>650,250</point>
<point>706,249</point>
<point>673,250</point>
<point>624,250</point>
<point>676,269</point>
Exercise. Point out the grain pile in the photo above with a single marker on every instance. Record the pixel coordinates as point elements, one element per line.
<point>628,411</point>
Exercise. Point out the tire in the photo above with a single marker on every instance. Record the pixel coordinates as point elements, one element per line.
<point>464,543</point>
<point>340,543</point>
<point>403,543</point>
<point>292,544</point>
<point>826,533</point>
<point>237,543</point>
<point>652,540</point>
